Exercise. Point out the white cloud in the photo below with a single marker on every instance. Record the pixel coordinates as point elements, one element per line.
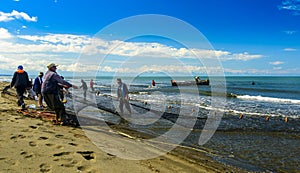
<point>249,71</point>
<point>289,49</point>
<point>290,32</point>
<point>89,46</point>
<point>274,71</point>
<point>6,17</point>
<point>146,68</point>
<point>131,49</point>
<point>244,56</point>
<point>31,62</point>
<point>4,34</point>
<point>291,5</point>
<point>276,63</point>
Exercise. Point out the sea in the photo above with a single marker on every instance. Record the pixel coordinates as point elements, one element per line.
<point>260,126</point>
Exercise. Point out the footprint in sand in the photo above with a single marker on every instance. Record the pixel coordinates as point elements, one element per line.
<point>88,155</point>
<point>33,127</point>
<point>23,152</point>
<point>45,168</point>
<point>84,168</point>
<point>19,136</point>
<point>59,136</point>
<point>26,155</point>
<point>43,138</point>
<point>61,154</point>
<point>73,144</point>
<point>48,131</point>
<point>32,144</point>
<point>49,145</point>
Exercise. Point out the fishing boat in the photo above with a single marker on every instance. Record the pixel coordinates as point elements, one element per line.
<point>187,83</point>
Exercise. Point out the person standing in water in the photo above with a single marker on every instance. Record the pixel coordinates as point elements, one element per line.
<point>84,87</point>
<point>153,83</point>
<point>123,96</point>
<point>92,85</point>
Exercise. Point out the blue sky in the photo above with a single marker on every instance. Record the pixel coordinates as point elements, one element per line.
<point>250,37</point>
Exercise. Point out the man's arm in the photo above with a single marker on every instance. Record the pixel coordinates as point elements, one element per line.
<point>29,84</point>
<point>62,82</point>
<point>13,81</point>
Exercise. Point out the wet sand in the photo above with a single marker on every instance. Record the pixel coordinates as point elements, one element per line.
<point>35,145</point>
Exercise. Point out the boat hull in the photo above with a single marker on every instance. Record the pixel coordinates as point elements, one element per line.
<point>187,83</point>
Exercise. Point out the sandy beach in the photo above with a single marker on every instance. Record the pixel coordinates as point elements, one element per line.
<point>36,145</point>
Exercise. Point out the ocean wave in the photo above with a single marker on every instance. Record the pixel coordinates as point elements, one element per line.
<point>268,99</point>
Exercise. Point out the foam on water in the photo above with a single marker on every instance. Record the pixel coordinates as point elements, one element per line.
<point>269,99</point>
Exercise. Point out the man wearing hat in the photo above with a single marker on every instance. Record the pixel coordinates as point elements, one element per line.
<point>20,81</point>
<point>37,87</point>
<point>50,91</point>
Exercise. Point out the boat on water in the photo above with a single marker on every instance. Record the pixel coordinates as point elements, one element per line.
<point>187,83</point>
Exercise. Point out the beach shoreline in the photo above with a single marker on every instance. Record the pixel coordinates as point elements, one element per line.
<point>35,145</point>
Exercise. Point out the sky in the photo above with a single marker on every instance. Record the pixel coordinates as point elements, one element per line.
<point>236,37</point>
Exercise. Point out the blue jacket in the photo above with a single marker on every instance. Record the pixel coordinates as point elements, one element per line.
<point>37,85</point>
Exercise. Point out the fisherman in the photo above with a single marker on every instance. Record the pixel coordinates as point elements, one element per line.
<point>20,81</point>
<point>50,91</point>
<point>123,96</point>
<point>84,87</point>
<point>92,85</point>
<point>37,87</point>
<point>153,83</point>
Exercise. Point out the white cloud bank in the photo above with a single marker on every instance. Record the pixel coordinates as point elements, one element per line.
<point>276,63</point>
<point>6,17</point>
<point>35,51</point>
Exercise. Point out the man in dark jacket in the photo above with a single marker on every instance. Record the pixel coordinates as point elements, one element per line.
<point>20,81</point>
<point>37,87</point>
<point>50,91</point>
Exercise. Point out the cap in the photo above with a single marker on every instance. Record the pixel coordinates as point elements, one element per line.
<point>50,65</point>
<point>20,67</point>
<point>41,74</point>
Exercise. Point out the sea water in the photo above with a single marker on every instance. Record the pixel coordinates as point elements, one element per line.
<point>261,95</point>
<point>252,143</point>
